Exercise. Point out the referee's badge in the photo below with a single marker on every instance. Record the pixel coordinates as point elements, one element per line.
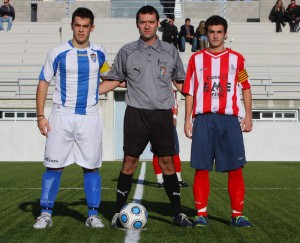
<point>94,57</point>
<point>163,71</point>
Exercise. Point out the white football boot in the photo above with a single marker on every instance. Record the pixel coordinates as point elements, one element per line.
<point>44,221</point>
<point>94,221</point>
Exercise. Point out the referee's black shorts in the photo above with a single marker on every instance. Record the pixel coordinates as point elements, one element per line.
<point>142,126</point>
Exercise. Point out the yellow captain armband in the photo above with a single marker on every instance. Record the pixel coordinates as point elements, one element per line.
<point>243,76</point>
<point>104,68</point>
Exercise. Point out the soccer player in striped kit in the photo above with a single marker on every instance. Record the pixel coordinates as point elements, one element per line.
<point>212,83</point>
<point>74,128</point>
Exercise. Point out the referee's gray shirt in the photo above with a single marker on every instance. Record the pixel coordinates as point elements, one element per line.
<point>148,71</point>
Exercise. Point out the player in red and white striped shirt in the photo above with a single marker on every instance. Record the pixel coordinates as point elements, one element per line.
<point>214,78</point>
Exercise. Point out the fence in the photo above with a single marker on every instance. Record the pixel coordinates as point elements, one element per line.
<point>266,82</point>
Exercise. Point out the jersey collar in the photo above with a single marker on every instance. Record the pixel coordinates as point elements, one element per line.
<point>156,46</point>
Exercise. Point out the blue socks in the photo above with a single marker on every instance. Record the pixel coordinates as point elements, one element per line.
<point>51,184</point>
<point>92,189</point>
<point>50,187</point>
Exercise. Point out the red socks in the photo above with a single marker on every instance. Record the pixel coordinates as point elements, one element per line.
<point>177,163</point>
<point>236,190</point>
<point>156,167</point>
<point>201,191</point>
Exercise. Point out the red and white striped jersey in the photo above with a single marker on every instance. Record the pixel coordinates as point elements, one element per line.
<point>213,79</point>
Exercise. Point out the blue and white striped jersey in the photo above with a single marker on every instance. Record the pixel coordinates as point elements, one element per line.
<point>76,73</point>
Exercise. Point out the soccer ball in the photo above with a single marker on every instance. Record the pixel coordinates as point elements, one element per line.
<point>133,216</point>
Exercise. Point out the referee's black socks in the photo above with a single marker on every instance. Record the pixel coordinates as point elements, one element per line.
<point>173,192</point>
<point>123,189</point>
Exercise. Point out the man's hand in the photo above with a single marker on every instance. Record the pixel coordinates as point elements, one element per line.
<point>247,124</point>
<point>43,126</point>
<point>188,129</point>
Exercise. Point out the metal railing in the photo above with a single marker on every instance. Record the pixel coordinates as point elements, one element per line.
<point>266,84</point>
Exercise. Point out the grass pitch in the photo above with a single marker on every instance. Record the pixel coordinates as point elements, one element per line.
<point>272,204</point>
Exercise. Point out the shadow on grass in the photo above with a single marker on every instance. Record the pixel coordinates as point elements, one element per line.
<point>60,208</point>
<point>107,209</point>
<point>220,220</point>
<point>162,210</point>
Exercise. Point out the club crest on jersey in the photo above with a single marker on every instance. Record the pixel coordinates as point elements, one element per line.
<point>232,69</point>
<point>163,71</point>
<point>93,57</point>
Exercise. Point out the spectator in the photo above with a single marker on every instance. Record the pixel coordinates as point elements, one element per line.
<point>277,15</point>
<point>187,34</point>
<point>170,31</point>
<point>293,15</point>
<point>201,36</point>
<point>7,13</point>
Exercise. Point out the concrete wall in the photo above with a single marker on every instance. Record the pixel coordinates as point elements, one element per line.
<point>269,141</point>
<point>236,11</point>
<point>22,10</point>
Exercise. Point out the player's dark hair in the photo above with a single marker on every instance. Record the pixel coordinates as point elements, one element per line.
<point>83,13</point>
<point>146,10</point>
<point>187,19</point>
<point>216,20</point>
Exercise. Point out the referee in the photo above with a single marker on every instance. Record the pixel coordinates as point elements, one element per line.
<point>148,67</point>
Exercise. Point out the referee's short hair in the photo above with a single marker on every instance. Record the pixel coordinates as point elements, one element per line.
<point>147,10</point>
<point>83,13</point>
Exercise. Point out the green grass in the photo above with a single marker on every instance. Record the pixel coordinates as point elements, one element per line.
<point>272,204</point>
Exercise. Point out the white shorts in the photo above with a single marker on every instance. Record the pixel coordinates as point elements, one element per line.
<point>74,139</point>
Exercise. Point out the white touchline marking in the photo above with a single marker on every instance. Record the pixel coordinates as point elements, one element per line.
<point>133,236</point>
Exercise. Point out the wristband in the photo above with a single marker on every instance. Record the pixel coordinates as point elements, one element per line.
<point>41,119</point>
<point>174,117</point>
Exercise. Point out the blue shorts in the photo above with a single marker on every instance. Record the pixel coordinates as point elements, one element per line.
<point>217,138</point>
